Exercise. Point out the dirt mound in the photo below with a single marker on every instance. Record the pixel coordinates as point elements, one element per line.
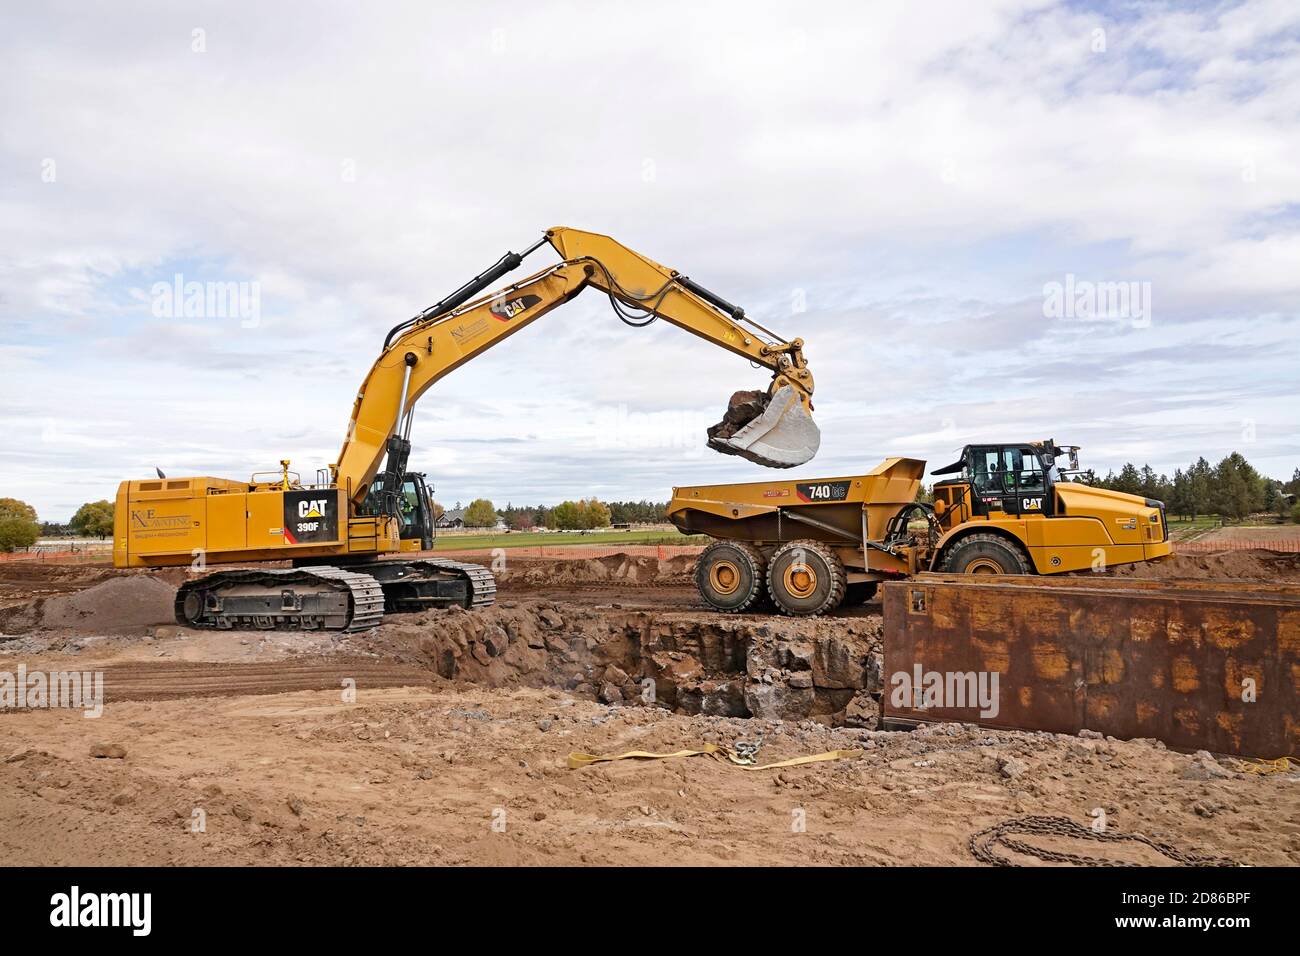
<point>688,662</point>
<point>613,569</point>
<point>1255,565</point>
<point>116,605</point>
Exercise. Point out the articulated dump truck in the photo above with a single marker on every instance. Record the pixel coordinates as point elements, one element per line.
<point>808,547</point>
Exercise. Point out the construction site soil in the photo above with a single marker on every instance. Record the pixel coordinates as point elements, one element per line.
<point>442,737</point>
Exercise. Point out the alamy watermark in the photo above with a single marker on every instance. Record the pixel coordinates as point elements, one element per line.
<point>38,690</point>
<point>191,299</point>
<point>74,908</point>
<point>618,427</point>
<point>1082,300</point>
<point>925,690</point>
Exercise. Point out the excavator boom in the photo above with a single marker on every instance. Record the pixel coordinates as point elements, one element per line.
<point>772,427</point>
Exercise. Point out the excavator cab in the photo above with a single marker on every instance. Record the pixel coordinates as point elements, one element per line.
<point>416,505</point>
<point>414,508</point>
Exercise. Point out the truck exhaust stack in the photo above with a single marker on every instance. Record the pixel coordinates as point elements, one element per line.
<point>775,431</point>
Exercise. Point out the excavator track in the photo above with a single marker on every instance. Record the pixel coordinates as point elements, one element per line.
<point>353,598</point>
<point>424,583</point>
<point>482,583</point>
<point>312,598</point>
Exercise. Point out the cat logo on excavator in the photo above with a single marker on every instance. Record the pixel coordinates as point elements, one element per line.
<point>507,309</point>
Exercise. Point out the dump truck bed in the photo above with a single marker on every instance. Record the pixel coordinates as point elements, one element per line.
<point>844,508</point>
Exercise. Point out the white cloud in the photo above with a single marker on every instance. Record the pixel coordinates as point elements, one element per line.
<point>918,173</point>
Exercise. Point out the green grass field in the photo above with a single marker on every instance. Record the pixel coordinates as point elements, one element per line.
<point>1194,524</point>
<point>527,539</point>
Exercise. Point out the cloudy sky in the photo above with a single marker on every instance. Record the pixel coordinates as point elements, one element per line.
<point>902,185</point>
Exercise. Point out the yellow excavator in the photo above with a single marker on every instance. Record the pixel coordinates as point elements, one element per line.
<point>336,529</point>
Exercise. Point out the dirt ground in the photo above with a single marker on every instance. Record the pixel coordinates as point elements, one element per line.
<point>1254,564</point>
<point>442,738</point>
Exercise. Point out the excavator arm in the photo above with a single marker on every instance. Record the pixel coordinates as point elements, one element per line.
<point>773,428</point>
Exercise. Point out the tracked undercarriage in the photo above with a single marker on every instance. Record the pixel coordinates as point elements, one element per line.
<point>351,598</point>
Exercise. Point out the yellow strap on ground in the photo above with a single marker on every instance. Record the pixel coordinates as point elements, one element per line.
<point>1280,765</point>
<point>579,760</point>
<point>795,761</point>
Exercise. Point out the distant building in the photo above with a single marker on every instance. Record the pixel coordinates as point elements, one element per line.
<point>451,519</point>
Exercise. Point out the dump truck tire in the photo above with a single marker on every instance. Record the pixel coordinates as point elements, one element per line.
<point>806,578</point>
<point>855,595</point>
<point>730,576</point>
<point>986,554</point>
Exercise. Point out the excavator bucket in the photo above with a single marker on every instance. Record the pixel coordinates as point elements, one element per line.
<point>775,431</point>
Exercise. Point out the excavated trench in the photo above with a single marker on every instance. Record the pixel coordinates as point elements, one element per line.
<point>688,662</point>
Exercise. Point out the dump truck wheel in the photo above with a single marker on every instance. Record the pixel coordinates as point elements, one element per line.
<point>858,594</point>
<point>729,576</point>
<point>986,554</point>
<point>806,578</point>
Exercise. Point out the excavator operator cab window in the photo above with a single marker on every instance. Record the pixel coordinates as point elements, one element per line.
<point>417,512</point>
<point>409,504</point>
<point>413,508</point>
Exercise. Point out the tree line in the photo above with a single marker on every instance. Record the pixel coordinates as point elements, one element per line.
<point>20,527</point>
<point>583,514</point>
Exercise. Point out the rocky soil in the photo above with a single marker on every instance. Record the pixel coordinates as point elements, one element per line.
<point>690,662</point>
<point>443,737</point>
<point>455,773</point>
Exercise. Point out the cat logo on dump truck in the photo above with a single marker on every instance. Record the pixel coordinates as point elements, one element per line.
<point>1031,504</point>
<point>507,309</point>
<point>310,516</point>
<point>814,491</point>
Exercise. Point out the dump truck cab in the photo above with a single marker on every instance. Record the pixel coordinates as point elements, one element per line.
<point>1027,515</point>
<point>1002,479</point>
